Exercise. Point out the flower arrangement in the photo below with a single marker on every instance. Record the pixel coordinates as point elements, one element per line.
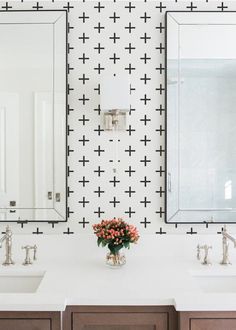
<point>115,234</point>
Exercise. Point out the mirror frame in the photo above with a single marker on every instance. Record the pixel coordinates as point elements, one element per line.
<point>66,121</point>
<point>165,121</point>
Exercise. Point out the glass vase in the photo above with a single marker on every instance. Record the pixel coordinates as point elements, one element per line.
<point>115,260</point>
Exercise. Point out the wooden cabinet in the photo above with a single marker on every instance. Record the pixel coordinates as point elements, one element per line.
<point>207,321</point>
<point>120,318</point>
<point>30,321</point>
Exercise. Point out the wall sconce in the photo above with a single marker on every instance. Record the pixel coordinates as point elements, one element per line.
<point>115,93</point>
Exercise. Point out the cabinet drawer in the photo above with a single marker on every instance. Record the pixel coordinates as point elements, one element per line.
<point>24,324</point>
<point>120,318</point>
<point>120,321</point>
<point>213,324</point>
<point>30,320</point>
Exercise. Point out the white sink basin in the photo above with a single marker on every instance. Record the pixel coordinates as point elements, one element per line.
<point>217,283</point>
<point>20,282</point>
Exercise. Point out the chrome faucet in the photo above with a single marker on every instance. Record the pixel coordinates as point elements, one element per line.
<point>225,245</point>
<point>8,244</point>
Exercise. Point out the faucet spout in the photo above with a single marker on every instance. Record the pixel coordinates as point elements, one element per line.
<point>225,245</point>
<point>7,237</point>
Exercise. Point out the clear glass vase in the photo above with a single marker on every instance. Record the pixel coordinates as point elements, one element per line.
<point>115,260</point>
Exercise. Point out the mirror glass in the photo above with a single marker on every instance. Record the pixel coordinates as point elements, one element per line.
<point>33,116</point>
<point>201,117</point>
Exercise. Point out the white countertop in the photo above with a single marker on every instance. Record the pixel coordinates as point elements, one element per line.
<point>157,272</point>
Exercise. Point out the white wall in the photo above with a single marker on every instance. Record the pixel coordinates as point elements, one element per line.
<point>155,222</point>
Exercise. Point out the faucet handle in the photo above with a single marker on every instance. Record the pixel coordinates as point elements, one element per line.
<point>206,249</point>
<point>27,248</point>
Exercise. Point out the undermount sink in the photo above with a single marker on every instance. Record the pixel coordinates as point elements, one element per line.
<point>218,282</point>
<point>20,282</point>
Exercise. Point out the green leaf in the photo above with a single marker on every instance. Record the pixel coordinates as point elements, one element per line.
<point>104,243</point>
<point>99,241</point>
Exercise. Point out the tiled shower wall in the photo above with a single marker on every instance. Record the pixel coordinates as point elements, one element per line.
<point>116,37</point>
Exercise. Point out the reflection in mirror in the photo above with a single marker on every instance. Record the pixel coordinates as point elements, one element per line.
<point>33,116</point>
<point>201,117</point>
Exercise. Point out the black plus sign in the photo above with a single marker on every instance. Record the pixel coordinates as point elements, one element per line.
<point>114,58</point>
<point>114,181</point>
<point>145,222</point>
<point>191,232</point>
<point>84,58</point>
<point>130,27</point>
<point>145,120</point>
<point>84,222</point>
<point>130,7</point>
<point>68,7</point>
<point>160,191</point>
<point>84,140</point>
<point>130,191</point>
<point>145,181</point>
<point>160,48</point>
<point>98,89</point>
<point>222,7</point>
<point>84,38</point>
<point>145,38</point>
<point>191,7</point>
<point>99,7</point>
<point>160,7</point>
<point>145,202</point>
<point>99,191</point>
<point>83,17</point>
<point>130,150</point>
<point>145,79</point>
<point>84,79</point>
<point>161,232</point>
<point>114,38</point>
<point>9,7</point>
<point>83,161</point>
<point>68,232</point>
<point>160,130</point>
<point>84,202</point>
<point>160,171</point>
<point>37,7</point>
<point>37,232</point>
<point>160,109</point>
<point>99,171</point>
<point>130,48</point>
<point>114,202</point>
<point>114,17</point>
<point>83,181</point>
<point>145,99</point>
<point>161,68</point>
<point>99,130</point>
<point>145,161</point>
<point>99,27</point>
<point>70,27</point>
<point>84,99</point>
<point>160,89</point>
<point>160,28</point>
<point>99,212</point>
<point>130,212</point>
<point>99,68</point>
<point>130,130</point>
<point>145,58</point>
<point>130,171</point>
<point>99,150</point>
<point>99,48</point>
<point>145,140</point>
<point>161,212</point>
<point>130,68</point>
<point>160,150</point>
<point>145,17</point>
<point>98,109</point>
<point>84,120</point>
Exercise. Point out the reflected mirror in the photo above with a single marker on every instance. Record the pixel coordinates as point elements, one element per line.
<point>33,116</point>
<point>201,117</point>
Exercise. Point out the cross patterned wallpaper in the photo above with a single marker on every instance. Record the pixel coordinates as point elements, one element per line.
<point>114,37</point>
